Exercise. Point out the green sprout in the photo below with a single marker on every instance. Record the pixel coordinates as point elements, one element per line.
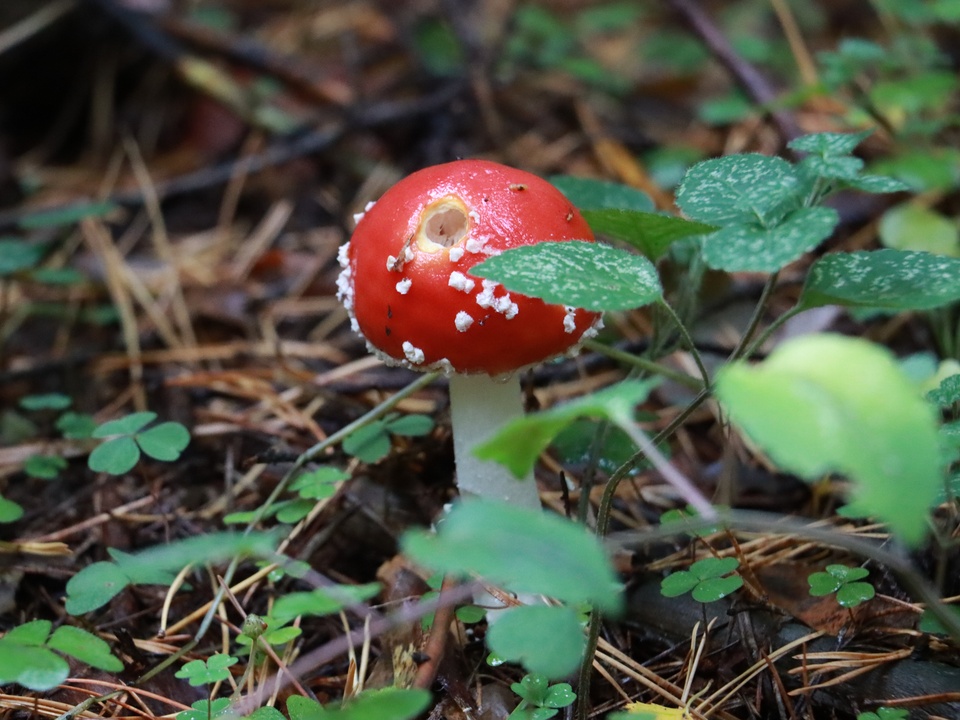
<point>214,669</point>
<point>539,699</point>
<point>125,439</point>
<point>843,581</point>
<point>709,579</point>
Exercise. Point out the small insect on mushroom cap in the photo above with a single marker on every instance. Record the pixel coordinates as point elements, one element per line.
<point>406,278</point>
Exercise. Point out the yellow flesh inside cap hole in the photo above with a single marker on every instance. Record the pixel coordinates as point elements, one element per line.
<point>443,225</point>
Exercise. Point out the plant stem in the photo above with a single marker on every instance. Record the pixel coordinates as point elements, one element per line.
<point>479,406</point>
<point>770,329</point>
<point>654,368</point>
<point>758,312</point>
<point>682,329</point>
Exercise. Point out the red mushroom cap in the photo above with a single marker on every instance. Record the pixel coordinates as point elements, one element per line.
<point>406,279</point>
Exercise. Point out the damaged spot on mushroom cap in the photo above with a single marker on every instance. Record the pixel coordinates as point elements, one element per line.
<point>570,319</point>
<point>403,287</point>
<point>443,224</point>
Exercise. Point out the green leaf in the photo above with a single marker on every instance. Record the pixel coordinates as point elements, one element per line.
<point>304,708</point>
<point>582,274</point>
<point>115,456</point>
<point>385,704</point>
<point>85,647</point>
<point>827,403</point>
<point>831,167</point>
<point>18,255</point>
<point>94,586</point>
<point>560,695</point>
<point>164,441</point>
<point>143,573</point>
<point>852,594</point>
<point>714,567</point>
<point>527,551</point>
<point>34,632</point>
<point>877,184</point>
<point>205,710</point>
<point>411,425</point>
<point>76,426</point>
<point>67,214</point>
<point>45,467</point>
<point>947,393</point>
<point>715,588</point>
<point>678,583</point>
<point>650,233</point>
<point>153,563</point>
<point>930,623</point>
<point>888,279</point>
<point>754,248</point>
<point>293,511</point>
<point>823,583</point>
<point>266,713</point>
<point>49,401</point>
<point>322,601</point>
<point>532,688</point>
<point>127,425</point>
<point>913,227</point>
<point>215,669</point>
<point>9,510</point>
<point>545,640</point>
<point>36,668</point>
<point>369,443</point>
<point>847,574</point>
<point>593,194</point>
<point>829,143</point>
<point>518,444</point>
<point>749,188</point>
<point>319,483</point>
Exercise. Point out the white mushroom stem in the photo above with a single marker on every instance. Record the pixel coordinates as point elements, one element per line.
<point>479,406</point>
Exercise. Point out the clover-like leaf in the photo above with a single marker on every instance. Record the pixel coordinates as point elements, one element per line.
<point>127,425</point>
<point>115,456</point>
<point>164,441</point>
<point>216,668</point>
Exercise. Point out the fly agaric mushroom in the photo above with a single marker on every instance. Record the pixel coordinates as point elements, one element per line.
<point>407,286</point>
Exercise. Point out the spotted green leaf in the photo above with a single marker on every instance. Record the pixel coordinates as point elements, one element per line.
<point>754,248</point>
<point>748,188</point>
<point>888,279</point>
<point>582,274</point>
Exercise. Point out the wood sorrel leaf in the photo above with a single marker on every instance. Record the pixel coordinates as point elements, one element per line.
<point>749,188</point>
<point>887,279</point>
<point>650,233</point>
<point>582,274</point>
<point>528,551</point>
<point>754,248</point>
<point>827,403</point>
